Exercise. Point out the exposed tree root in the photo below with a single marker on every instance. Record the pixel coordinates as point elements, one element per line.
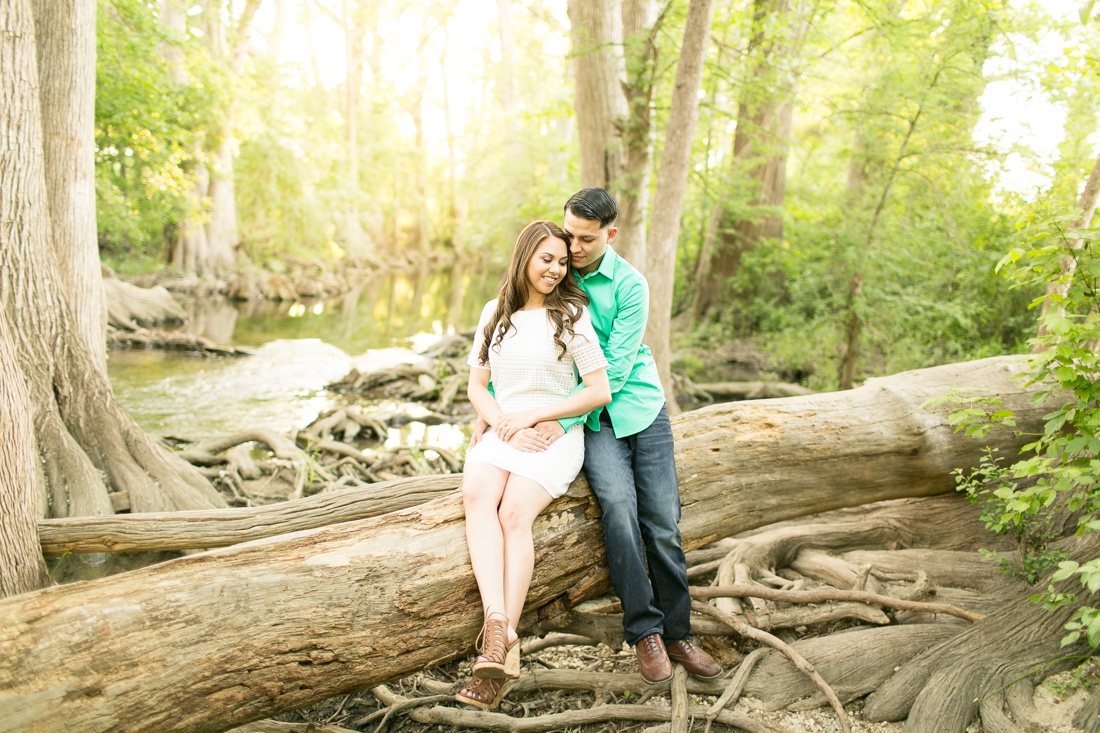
<point>274,726</point>
<point>855,662</point>
<point>130,307</point>
<point>797,659</point>
<point>466,718</point>
<point>940,691</point>
<point>439,383</point>
<point>821,595</point>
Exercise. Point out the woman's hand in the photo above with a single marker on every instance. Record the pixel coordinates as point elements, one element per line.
<point>527,440</point>
<point>479,430</point>
<point>510,424</point>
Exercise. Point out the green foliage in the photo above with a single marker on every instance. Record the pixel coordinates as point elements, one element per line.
<point>885,186</point>
<point>1060,468</point>
<point>148,124</point>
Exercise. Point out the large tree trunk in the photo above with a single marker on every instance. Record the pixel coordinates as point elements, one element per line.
<point>354,240</point>
<point>639,43</point>
<point>65,34</point>
<point>22,493</point>
<point>187,250</point>
<point>229,636</point>
<point>602,111</point>
<point>671,185</point>
<point>86,442</point>
<point>759,151</point>
<point>222,236</point>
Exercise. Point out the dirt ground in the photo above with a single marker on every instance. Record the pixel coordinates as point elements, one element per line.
<point>1058,697</point>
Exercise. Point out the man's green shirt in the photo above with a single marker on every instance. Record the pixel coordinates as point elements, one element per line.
<point>619,308</point>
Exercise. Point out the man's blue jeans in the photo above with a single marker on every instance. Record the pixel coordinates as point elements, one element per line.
<point>634,479</point>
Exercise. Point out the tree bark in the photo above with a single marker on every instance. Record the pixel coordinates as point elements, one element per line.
<point>65,35</point>
<point>600,102</point>
<point>22,491</point>
<point>671,185</point>
<point>85,441</point>
<point>325,611</point>
<point>639,42</point>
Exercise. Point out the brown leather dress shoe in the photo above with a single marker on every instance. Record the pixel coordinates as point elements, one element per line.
<point>653,660</point>
<point>697,662</point>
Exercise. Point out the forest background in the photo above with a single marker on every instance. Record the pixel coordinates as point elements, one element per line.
<point>857,169</point>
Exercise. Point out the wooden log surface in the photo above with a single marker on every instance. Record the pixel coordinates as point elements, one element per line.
<point>233,635</point>
<point>223,527</point>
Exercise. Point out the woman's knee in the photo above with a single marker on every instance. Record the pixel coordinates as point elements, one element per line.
<point>515,519</point>
<point>478,494</point>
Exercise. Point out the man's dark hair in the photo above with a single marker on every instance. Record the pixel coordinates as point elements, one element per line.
<point>593,204</point>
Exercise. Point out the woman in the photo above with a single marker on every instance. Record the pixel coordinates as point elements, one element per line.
<point>532,341</point>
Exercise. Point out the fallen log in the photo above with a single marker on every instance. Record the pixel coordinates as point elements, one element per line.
<point>777,443</point>
<point>207,529</point>
<point>226,637</point>
<point>752,390</point>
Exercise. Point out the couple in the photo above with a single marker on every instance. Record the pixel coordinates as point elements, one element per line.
<point>531,343</point>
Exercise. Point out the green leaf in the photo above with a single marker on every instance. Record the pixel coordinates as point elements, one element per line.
<point>1066,568</point>
<point>1085,11</point>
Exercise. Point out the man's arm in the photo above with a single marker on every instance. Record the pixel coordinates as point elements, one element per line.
<point>627,330</point>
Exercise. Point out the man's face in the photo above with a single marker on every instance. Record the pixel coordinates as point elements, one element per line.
<point>589,242</point>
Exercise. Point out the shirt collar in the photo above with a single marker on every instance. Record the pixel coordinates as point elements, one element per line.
<point>607,265</point>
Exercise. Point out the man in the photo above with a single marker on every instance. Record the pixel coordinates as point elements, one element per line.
<point>629,459</point>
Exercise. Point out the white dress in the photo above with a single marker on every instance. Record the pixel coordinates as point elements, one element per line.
<point>526,375</point>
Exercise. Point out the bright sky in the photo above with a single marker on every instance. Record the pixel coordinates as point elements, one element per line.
<point>469,37</point>
<point>1018,113</point>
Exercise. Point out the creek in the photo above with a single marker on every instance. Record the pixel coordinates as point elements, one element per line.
<point>298,348</point>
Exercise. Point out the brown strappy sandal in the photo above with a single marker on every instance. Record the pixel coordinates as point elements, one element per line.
<point>497,658</point>
<point>484,693</point>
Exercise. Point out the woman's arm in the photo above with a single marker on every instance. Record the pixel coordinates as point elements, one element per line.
<point>596,393</point>
<point>481,398</point>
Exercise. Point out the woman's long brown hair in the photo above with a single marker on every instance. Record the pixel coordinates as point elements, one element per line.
<point>563,304</point>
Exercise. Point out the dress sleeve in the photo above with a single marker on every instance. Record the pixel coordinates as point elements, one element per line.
<point>479,335</point>
<point>585,346</point>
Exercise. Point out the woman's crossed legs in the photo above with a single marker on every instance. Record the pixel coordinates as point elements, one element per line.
<point>500,510</point>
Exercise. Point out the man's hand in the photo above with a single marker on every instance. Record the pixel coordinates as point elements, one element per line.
<point>479,430</point>
<point>550,430</point>
<point>528,441</point>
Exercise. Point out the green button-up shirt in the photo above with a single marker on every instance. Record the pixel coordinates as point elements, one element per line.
<point>619,308</point>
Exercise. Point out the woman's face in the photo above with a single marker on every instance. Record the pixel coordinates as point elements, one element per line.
<point>547,266</point>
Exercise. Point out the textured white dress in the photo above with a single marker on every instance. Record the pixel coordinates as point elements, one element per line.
<point>527,374</point>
